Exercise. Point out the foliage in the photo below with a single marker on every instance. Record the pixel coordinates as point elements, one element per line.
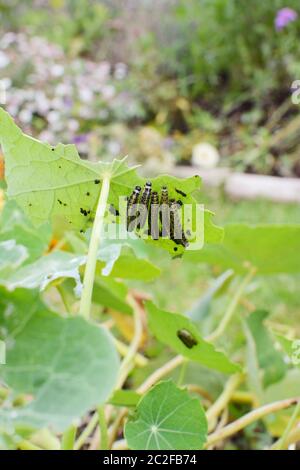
<point>60,367</point>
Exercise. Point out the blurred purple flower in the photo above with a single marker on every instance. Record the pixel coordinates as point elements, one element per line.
<point>80,139</point>
<point>285,16</point>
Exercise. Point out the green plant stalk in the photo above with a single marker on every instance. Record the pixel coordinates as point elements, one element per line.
<point>247,419</point>
<point>86,432</point>
<point>89,273</point>
<point>26,445</point>
<point>103,428</point>
<point>281,444</point>
<point>68,438</point>
<point>128,360</point>
<point>231,308</point>
<point>214,411</point>
<point>64,299</point>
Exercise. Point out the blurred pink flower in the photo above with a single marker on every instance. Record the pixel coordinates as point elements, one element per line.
<point>285,16</point>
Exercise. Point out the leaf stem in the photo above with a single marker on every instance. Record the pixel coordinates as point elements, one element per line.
<point>68,438</point>
<point>128,360</point>
<point>281,444</point>
<point>103,428</point>
<point>247,419</point>
<point>160,373</point>
<point>231,307</point>
<point>219,405</point>
<point>89,273</point>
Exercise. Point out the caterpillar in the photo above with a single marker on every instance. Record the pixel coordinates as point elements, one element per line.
<point>161,212</point>
<point>187,338</point>
<point>164,212</point>
<point>144,203</point>
<point>176,231</point>
<point>153,221</point>
<point>131,208</point>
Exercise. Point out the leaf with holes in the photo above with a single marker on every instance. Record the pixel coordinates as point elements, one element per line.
<point>54,184</point>
<point>174,330</point>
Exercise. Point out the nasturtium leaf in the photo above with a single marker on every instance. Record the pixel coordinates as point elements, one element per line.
<point>11,257</point>
<point>269,248</point>
<point>14,225</point>
<point>40,273</point>
<point>111,294</point>
<point>166,327</point>
<point>54,184</point>
<point>167,418</point>
<point>269,359</point>
<point>67,364</point>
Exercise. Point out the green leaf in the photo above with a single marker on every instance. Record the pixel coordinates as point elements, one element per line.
<point>269,359</point>
<point>129,267</point>
<point>125,398</point>
<point>14,225</point>
<point>54,184</point>
<point>291,348</point>
<point>269,248</point>
<point>167,418</point>
<point>202,307</point>
<point>68,365</point>
<point>111,294</point>
<point>166,327</point>
<point>40,273</point>
<point>11,257</point>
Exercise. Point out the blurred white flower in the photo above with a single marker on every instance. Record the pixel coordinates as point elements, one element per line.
<point>120,71</point>
<point>86,95</point>
<point>57,70</point>
<point>113,147</point>
<point>73,125</point>
<point>4,60</point>
<point>25,116</point>
<point>108,91</point>
<point>205,155</point>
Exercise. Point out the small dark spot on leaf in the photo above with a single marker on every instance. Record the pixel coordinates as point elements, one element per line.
<point>180,192</point>
<point>53,149</point>
<point>83,212</point>
<point>59,166</point>
<point>81,231</point>
<point>175,248</point>
<point>60,202</point>
<point>87,193</point>
<point>65,204</point>
<point>188,232</point>
<point>30,204</point>
<point>97,181</point>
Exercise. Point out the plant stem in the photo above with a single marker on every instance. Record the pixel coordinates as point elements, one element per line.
<point>128,360</point>
<point>64,298</point>
<point>281,444</point>
<point>86,432</point>
<point>89,273</point>
<point>219,405</point>
<point>26,445</point>
<point>122,348</point>
<point>247,419</point>
<point>160,373</point>
<point>68,438</point>
<point>231,307</point>
<point>103,429</point>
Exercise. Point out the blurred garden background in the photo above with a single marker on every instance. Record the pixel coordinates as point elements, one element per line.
<point>170,83</point>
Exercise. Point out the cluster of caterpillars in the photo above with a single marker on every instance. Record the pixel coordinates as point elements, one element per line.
<point>161,213</point>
